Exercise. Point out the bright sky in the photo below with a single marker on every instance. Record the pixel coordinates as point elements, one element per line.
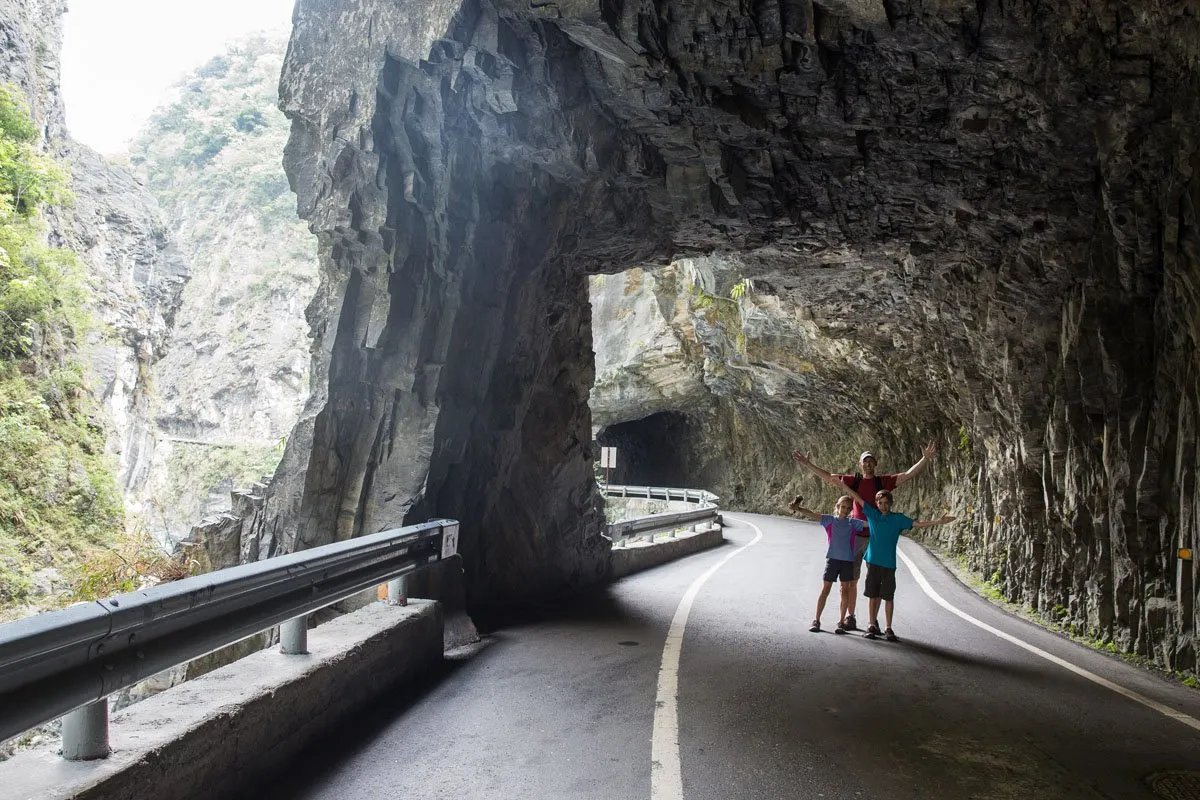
<point>120,57</point>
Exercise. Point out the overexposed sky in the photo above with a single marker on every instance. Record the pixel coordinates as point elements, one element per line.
<point>120,57</point>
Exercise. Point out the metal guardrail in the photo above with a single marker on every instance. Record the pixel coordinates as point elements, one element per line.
<point>661,493</point>
<point>68,662</point>
<point>624,530</point>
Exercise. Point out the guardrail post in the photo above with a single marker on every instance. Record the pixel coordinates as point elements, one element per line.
<point>398,592</point>
<point>85,732</point>
<point>293,636</point>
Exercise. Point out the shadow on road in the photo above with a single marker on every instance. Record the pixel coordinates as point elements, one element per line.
<point>592,606</point>
<point>595,610</point>
<point>325,753</point>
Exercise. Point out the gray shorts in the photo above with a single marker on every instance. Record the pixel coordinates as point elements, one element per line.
<point>860,550</point>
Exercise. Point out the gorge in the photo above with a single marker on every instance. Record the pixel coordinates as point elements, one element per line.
<point>709,233</point>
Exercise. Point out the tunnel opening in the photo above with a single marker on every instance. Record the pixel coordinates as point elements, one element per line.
<point>653,451</point>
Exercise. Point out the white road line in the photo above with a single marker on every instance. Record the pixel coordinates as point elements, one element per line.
<point>1166,711</point>
<point>666,774</point>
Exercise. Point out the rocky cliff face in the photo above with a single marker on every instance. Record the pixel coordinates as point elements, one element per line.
<point>979,215</point>
<point>134,274</point>
<point>236,377</point>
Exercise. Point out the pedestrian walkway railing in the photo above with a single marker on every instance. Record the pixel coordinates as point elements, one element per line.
<point>706,512</point>
<point>66,663</point>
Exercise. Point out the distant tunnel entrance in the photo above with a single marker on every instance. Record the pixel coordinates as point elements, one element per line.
<point>653,451</point>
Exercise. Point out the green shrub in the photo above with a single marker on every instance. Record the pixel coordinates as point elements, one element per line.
<point>217,67</point>
<point>202,146</point>
<point>57,492</point>
<point>125,565</point>
<point>250,120</point>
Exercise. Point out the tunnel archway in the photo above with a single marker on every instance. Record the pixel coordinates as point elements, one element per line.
<point>653,451</point>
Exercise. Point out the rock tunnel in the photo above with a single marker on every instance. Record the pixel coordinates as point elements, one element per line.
<point>851,223</point>
<point>654,451</point>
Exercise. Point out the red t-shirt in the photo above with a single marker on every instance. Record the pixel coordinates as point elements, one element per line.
<point>867,487</point>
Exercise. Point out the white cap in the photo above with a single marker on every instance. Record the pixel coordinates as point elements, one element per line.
<point>867,454</point>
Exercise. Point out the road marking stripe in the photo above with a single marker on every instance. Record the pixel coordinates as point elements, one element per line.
<point>666,774</point>
<point>1166,711</point>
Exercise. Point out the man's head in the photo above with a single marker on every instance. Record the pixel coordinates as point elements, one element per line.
<point>883,500</point>
<point>844,506</point>
<point>867,463</point>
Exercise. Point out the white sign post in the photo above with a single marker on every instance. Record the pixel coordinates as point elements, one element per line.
<point>608,460</point>
<point>449,541</point>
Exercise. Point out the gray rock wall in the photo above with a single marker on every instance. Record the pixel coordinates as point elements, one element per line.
<point>453,356</point>
<point>136,278</point>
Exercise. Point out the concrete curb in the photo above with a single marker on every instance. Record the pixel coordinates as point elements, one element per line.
<point>213,736</point>
<point>635,558</point>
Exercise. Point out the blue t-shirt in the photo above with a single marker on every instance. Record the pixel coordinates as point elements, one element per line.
<point>885,535</point>
<point>840,533</point>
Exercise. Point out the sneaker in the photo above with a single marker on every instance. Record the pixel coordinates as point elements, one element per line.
<point>873,631</point>
<point>841,628</point>
<point>816,626</point>
<point>851,623</point>
<point>890,635</point>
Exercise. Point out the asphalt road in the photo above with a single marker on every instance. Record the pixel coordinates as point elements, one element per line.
<point>564,706</point>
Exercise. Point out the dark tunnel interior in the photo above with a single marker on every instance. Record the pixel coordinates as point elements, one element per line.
<point>653,451</point>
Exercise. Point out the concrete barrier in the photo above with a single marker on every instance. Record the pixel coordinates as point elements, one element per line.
<point>214,735</point>
<point>636,557</point>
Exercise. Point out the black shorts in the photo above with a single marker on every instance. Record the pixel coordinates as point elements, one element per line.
<point>881,582</point>
<point>838,570</point>
<point>861,541</point>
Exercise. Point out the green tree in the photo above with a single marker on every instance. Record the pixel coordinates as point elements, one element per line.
<point>57,493</point>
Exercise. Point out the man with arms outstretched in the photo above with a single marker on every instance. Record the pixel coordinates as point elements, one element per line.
<point>866,484</point>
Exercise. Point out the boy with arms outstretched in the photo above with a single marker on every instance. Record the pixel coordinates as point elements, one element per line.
<point>840,530</point>
<point>887,527</point>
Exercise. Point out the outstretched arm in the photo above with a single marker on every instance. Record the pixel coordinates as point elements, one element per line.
<point>804,461</point>
<point>796,508</point>
<point>929,523</point>
<point>927,454</point>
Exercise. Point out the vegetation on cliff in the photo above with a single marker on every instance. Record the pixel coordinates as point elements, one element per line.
<point>232,384</point>
<point>57,492</point>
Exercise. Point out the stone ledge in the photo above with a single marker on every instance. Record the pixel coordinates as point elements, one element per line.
<point>212,736</point>
<point>635,558</point>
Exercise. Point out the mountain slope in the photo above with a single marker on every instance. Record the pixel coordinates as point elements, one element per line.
<point>237,373</point>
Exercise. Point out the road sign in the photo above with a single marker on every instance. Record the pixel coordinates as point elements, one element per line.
<point>608,457</point>
<point>449,541</point>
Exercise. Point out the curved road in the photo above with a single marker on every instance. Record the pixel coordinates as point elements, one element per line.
<point>564,707</point>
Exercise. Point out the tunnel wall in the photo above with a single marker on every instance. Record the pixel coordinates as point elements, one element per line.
<point>452,342</point>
